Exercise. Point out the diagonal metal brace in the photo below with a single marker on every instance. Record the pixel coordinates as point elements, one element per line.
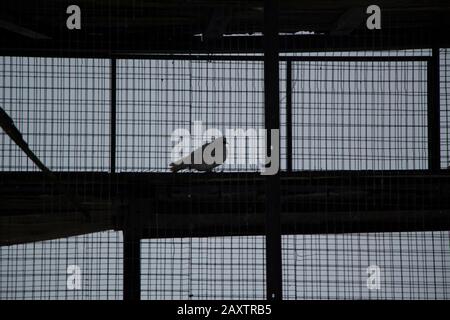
<point>7,124</point>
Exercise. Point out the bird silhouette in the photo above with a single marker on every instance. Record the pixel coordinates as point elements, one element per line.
<point>189,161</point>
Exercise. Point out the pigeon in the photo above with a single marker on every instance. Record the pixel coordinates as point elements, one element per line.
<point>189,162</point>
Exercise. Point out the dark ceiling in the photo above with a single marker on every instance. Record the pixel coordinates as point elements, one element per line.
<point>175,25</point>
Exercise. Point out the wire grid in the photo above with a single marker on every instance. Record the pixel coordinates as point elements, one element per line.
<point>445,106</point>
<point>158,97</point>
<point>61,106</point>
<point>41,270</point>
<point>315,266</point>
<point>310,79</point>
<point>364,116</point>
<point>359,115</point>
<point>412,265</point>
<point>203,268</point>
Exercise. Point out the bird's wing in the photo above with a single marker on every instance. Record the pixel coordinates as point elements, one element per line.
<point>219,145</point>
<point>195,159</point>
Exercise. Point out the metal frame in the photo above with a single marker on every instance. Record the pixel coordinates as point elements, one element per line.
<point>388,39</point>
<point>274,281</point>
<point>272,220</point>
<point>113,113</point>
<point>272,183</point>
<point>289,116</point>
<point>434,129</point>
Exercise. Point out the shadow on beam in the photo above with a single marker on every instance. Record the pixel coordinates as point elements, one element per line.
<point>223,204</point>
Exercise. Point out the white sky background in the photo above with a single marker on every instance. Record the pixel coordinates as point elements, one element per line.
<point>62,108</point>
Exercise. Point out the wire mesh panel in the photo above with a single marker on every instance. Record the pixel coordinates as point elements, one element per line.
<point>203,268</point>
<point>222,96</point>
<point>158,97</point>
<point>364,117</point>
<point>411,265</point>
<point>359,115</point>
<point>202,237</point>
<point>46,270</point>
<point>61,106</point>
<point>93,179</point>
<point>445,106</point>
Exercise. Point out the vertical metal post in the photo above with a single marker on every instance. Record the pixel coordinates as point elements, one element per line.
<point>112,123</point>
<point>272,121</point>
<point>434,144</point>
<point>289,115</point>
<point>131,234</point>
<point>131,265</point>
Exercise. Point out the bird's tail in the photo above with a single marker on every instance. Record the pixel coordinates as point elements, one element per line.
<point>175,167</point>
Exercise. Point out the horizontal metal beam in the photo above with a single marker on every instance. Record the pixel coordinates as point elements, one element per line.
<point>260,58</point>
<point>376,41</point>
<point>223,204</point>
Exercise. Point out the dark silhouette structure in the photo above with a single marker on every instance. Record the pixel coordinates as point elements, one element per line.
<point>38,206</point>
